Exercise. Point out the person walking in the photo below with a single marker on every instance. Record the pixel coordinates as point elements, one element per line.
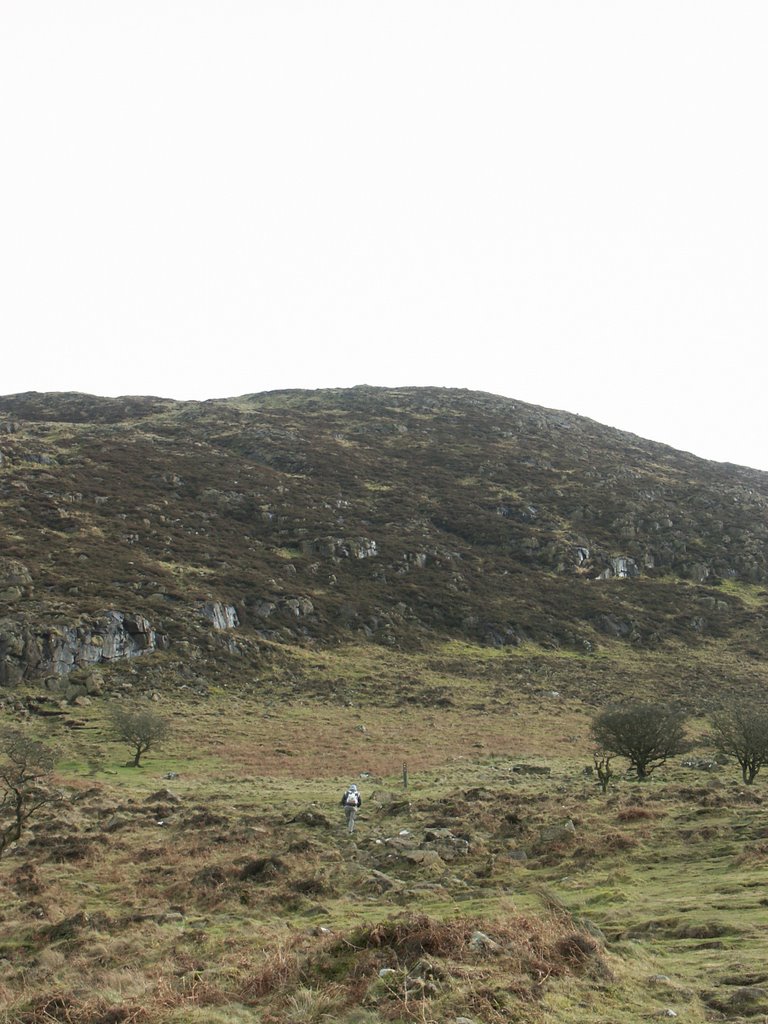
<point>351,801</point>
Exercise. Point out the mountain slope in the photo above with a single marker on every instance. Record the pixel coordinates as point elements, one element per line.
<point>394,516</point>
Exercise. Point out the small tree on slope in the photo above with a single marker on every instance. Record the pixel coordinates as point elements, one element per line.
<point>741,732</point>
<point>646,734</point>
<point>25,769</point>
<point>141,729</point>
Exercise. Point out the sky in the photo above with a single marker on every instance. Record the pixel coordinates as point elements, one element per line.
<point>560,201</point>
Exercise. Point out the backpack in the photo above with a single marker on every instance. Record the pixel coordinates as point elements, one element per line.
<point>351,800</point>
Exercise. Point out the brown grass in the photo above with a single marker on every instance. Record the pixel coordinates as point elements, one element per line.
<point>630,814</point>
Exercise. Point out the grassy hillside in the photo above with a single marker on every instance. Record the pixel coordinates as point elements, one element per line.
<point>315,588</point>
<point>217,882</point>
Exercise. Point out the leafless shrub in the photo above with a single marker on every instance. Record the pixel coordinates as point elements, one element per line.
<point>602,762</point>
<point>25,770</point>
<point>741,732</point>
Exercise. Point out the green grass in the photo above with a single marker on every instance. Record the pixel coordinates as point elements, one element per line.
<point>666,869</point>
<point>751,595</point>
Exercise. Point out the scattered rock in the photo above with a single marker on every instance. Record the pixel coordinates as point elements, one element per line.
<point>444,842</point>
<point>702,764</point>
<point>380,882</point>
<point>482,943</point>
<point>554,835</point>
<point>748,1001</point>
<point>403,842</point>
<point>426,858</point>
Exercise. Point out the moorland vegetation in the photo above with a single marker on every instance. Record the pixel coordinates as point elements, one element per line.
<point>297,590</point>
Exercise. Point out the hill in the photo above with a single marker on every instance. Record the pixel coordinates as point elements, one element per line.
<point>312,588</point>
<point>389,516</point>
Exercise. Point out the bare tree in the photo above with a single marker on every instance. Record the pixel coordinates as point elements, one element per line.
<point>142,729</point>
<point>646,734</point>
<point>25,769</point>
<point>741,732</point>
<point>602,761</point>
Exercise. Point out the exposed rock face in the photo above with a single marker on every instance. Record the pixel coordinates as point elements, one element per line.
<point>15,581</point>
<point>299,606</point>
<point>19,652</point>
<point>621,568</point>
<point>296,607</point>
<point>339,547</point>
<point>115,636</point>
<point>221,616</point>
<point>60,650</point>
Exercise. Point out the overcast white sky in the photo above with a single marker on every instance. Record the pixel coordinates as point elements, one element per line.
<point>562,202</point>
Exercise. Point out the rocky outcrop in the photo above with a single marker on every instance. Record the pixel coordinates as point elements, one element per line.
<point>59,650</point>
<point>20,652</point>
<point>621,568</point>
<point>15,581</point>
<point>297,607</point>
<point>340,547</point>
<point>114,636</point>
<point>221,616</point>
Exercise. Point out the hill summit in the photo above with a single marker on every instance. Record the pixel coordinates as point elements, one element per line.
<point>226,532</point>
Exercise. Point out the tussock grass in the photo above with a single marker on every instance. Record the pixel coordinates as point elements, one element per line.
<point>250,903</point>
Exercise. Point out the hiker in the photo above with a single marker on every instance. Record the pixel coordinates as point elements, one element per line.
<point>350,802</point>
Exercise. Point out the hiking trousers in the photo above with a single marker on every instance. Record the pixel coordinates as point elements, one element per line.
<point>350,813</point>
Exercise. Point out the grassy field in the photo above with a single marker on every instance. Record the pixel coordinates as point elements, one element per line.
<point>216,883</point>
